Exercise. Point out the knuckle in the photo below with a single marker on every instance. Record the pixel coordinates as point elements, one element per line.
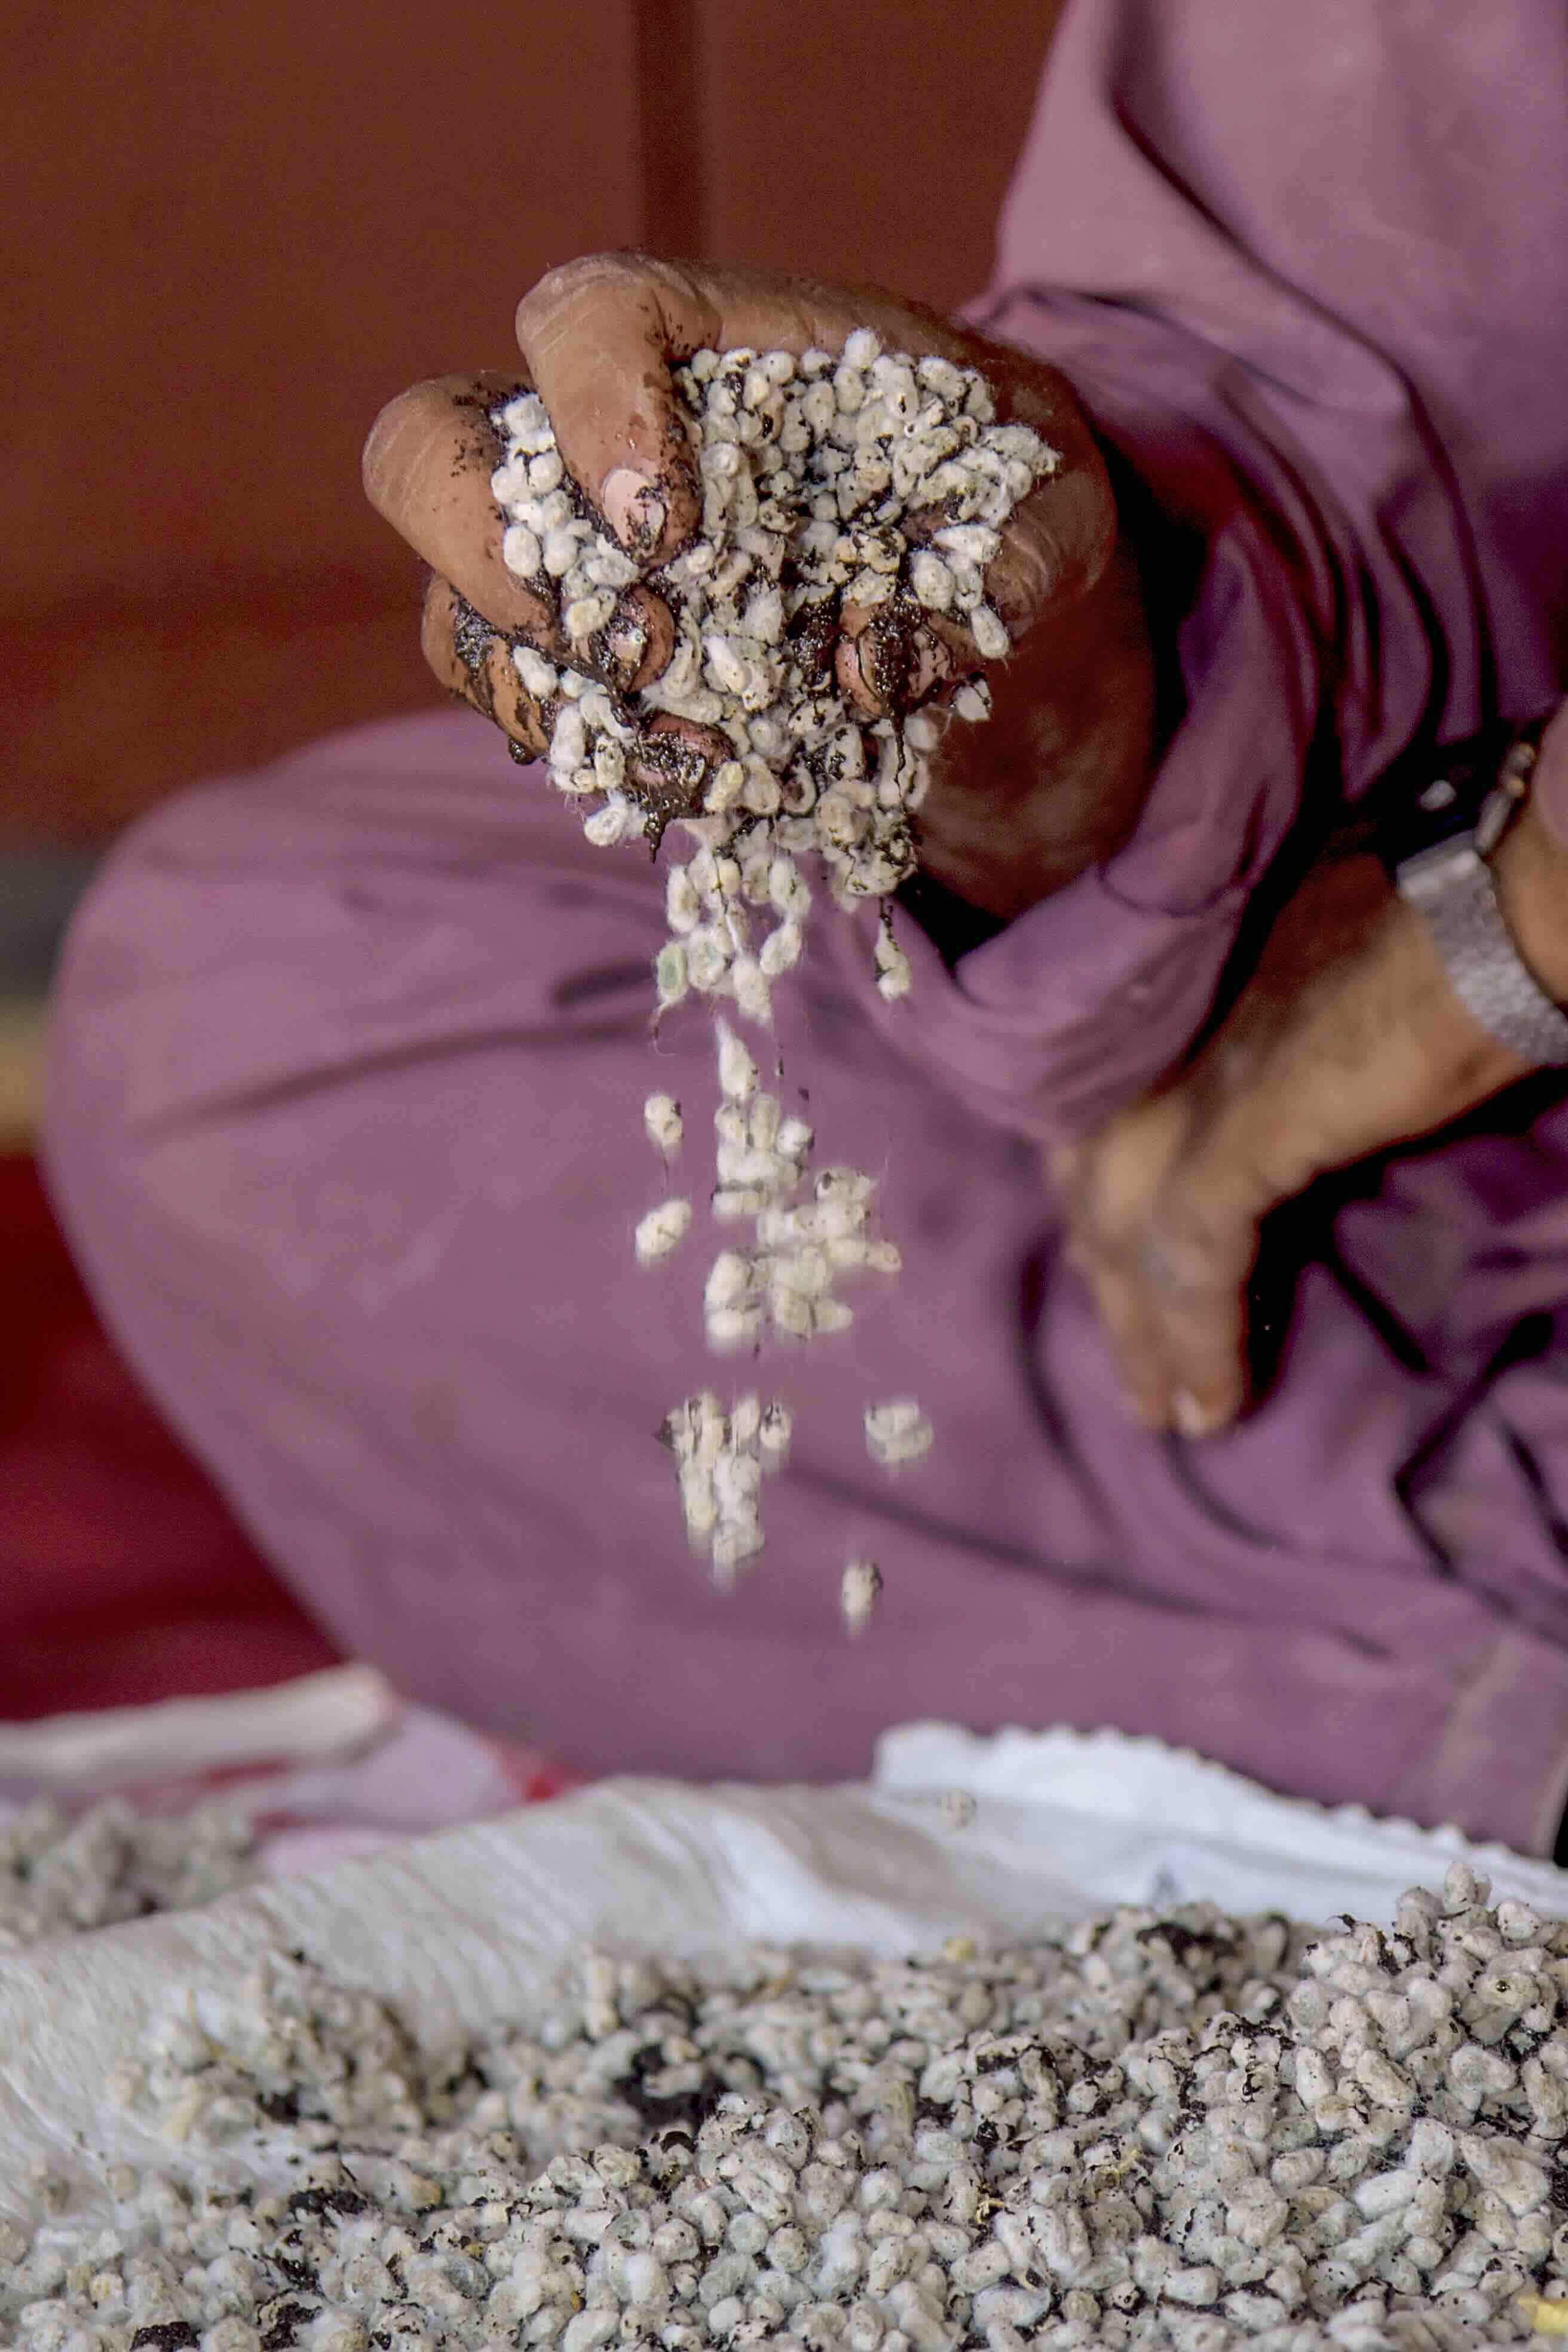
<point>436,621</point>
<point>624,274</point>
<point>567,279</point>
<point>1186,1262</point>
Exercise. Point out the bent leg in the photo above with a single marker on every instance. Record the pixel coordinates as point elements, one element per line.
<point>345,1124</point>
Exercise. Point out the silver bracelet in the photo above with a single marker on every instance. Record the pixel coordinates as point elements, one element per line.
<point>1435,847</point>
<point>1453,888</point>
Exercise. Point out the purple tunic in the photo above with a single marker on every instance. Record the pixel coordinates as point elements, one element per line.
<point>345,1107</point>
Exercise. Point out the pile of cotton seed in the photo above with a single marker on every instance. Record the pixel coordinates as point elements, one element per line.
<point>1152,2129</point>
<point>60,1876</point>
<point>871,480</point>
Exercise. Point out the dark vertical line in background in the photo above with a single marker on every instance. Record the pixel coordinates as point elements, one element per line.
<point>670,109</point>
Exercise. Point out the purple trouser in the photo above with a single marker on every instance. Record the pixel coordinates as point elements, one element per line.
<point>345,1126</point>
<point>349,1058</point>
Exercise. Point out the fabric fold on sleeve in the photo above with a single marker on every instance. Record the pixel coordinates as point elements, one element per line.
<point>1238,239</point>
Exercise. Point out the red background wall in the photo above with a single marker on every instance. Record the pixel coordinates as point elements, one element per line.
<point>231,233</point>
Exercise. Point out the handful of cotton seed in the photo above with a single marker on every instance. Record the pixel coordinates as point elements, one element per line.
<point>872,480</point>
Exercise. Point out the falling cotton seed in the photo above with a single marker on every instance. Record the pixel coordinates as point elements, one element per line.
<point>662,1230</point>
<point>897,1432</point>
<point>662,1118</point>
<point>861,1585</point>
<point>823,480</point>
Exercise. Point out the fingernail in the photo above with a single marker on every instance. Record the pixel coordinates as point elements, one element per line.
<point>633,509</point>
<point>1195,1419</point>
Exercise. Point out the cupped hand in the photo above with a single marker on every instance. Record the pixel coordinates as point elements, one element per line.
<point>1348,1039</point>
<point>1052,781</point>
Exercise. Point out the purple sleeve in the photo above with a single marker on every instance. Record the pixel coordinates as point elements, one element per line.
<point>1337,237</point>
<point>1308,270</point>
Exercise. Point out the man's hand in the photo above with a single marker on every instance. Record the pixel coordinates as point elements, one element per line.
<point>1347,1040</point>
<point>1054,782</point>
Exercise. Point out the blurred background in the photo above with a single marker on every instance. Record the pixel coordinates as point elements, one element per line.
<point>230,234</point>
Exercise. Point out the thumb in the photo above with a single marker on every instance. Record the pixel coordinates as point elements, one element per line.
<point>1059,541</point>
<point>1056,545</point>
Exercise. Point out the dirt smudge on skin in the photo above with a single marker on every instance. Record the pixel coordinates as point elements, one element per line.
<point>667,776</point>
<point>472,638</point>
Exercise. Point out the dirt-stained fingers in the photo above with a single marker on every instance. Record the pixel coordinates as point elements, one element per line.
<point>665,762</point>
<point>600,335</point>
<point>429,468</point>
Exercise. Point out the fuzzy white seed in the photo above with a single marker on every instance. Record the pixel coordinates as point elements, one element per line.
<point>763,1123</point>
<point>611,824</point>
<point>829,1315</point>
<point>682,908</point>
<point>893,971</point>
<point>976,542</point>
<point>931,580</point>
<point>698,1505</point>
<point>775,1429</point>
<point>568,740</point>
<point>780,952</point>
<point>724,791</point>
<point>730,1282</point>
<point>539,676</point>
<point>585,615</point>
<point>759,794</point>
<point>670,978</point>
<point>731,1204</point>
<point>849,389</point>
<point>708,956</point>
<point>752,992</point>
<point>521,551</point>
<point>725,668</point>
<point>897,1432</point>
<point>560,551</point>
<point>662,1120</point>
<point>792,1315</point>
<point>662,1230</point>
<point>858,1589</point>
<point>736,1071</point>
<point>728,1328</point>
<point>990,632</point>
<point>806,1271</point>
<point>844,1186</point>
